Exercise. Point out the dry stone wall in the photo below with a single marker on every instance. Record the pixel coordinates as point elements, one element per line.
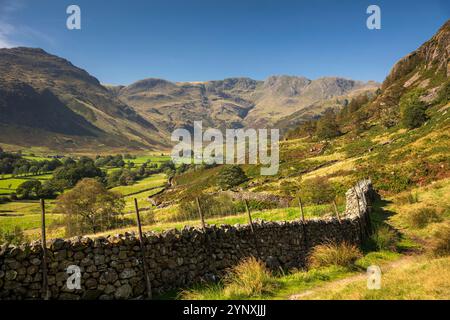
<point>111,267</point>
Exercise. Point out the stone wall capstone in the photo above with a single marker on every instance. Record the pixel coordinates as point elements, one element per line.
<point>111,267</point>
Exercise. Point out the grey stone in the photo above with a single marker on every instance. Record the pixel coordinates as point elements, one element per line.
<point>127,274</point>
<point>109,276</point>
<point>90,283</point>
<point>99,259</point>
<point>79,255</point>
<point>10,275</point>
<point>123,292</point>
<point>109,289</point>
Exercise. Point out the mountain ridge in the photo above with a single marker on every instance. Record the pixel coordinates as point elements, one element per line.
<point>239,101</point>
<point>70,109</point>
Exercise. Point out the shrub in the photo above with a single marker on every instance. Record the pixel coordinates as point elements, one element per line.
<point>148,217</point>
<point>327,126</point>
<point>328,254</point>
<point>250,278</point>
<point>409,198</point>
<point>440,245</point>
<point>420,218</point>
<point>4,200</point>
<point>412,110</point>
<point>231,176</point>
<point>255,205</point>
<point>317,191</point>
<point>385,238</point>
<point>15,237</point>
<point>211,206</point>
<point>168,167</point>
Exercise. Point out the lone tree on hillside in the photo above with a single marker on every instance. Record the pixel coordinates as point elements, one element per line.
<point>89,208</point>
<point>412,110</point>
<point>327,126</point>
<point>231,176</point>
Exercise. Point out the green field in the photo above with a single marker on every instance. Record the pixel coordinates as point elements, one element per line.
<point>156,180</point>
<point>152,158</point>
<point>142,199</point>
<point>8,186</point>
<point>11,184</point>
<point>141,190</point>
<point>26,214</point>
<point>37,158</point>
<point>26,222</point>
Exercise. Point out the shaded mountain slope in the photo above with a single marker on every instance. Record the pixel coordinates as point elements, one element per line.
<point>45,92</point>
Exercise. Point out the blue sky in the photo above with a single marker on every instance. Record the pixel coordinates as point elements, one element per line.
<point>197,40</point>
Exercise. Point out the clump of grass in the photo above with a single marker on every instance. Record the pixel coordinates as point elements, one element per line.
<point>409,198</point>
<point>385,238</point>
<point>441,240</point>
<point>203,292</point>
<point>149,217</point>
<point>250,278</point>
<point>339,254</point>
<point>421,217</point>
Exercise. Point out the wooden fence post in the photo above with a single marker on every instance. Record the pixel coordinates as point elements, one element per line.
<point>336,211</point>
<point>141,242</point>
<point>200,212</point>
<point>46,292</point>
<point>300,204</point>
<point>249,215</point>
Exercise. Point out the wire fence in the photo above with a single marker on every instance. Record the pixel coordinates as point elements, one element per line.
<point>204,209</point>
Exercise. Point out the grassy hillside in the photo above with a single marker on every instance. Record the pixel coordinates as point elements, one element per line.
<point>411,267</point>
<point>409,164</point>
